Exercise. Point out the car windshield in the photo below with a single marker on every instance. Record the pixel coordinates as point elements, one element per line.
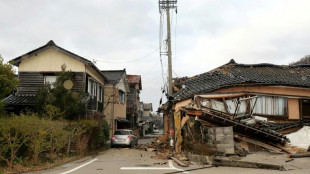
<point>121,133</point>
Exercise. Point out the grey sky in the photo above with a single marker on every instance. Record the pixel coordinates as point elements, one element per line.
<point>208,34</point>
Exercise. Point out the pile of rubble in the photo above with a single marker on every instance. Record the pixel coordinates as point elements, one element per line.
<point>207,136</point>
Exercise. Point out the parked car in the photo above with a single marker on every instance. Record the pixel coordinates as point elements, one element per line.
<point>156,130</point>
<point>124,137</point>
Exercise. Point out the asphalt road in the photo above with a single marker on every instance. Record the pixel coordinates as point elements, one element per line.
<point>136,161</point>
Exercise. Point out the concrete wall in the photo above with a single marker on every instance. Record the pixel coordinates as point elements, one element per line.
<point>122,85</point>
<point>222,138</point>
<point>50,60</point>
<point>107,107</point>
<point>119,109</point>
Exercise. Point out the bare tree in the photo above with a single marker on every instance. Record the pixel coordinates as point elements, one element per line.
<point>303,61</point>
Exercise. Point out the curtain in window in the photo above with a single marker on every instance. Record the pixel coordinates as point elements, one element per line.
<point>218,105</point>
<point>266,105</point>
<point>232,105</point>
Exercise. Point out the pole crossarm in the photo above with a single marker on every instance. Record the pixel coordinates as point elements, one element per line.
<point>172,4</point>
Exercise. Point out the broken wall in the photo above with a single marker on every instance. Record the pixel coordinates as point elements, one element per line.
<point>222,138</point>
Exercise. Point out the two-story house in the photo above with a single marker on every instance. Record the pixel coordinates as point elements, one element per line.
<point>133,101</point>
<point>116,90</point>
<point>40,66</point>
<point>147,109</point>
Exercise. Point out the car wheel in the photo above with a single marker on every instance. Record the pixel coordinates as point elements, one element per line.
<point>112,146</point>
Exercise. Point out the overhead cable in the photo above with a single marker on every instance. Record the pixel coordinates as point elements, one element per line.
<point>135,60</point>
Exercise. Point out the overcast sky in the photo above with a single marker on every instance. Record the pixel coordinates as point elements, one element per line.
<point>206,33</point>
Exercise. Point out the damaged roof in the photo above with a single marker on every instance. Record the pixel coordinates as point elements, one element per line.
<point>234,74</point>
<point>135,79</point>
<point>114,75</point>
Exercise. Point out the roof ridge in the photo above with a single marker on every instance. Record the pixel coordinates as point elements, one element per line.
<point>233,74</point>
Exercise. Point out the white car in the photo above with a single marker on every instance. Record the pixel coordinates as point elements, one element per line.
<point>124,137</point>
<point>156,130</point>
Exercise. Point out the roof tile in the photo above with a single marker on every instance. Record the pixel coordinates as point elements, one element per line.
<point>233,74</point>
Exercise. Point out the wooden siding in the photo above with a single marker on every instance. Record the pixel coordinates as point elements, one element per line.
<point>29,83</point>
<point>79,81</point>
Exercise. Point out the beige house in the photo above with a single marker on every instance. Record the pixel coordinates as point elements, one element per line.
<point>115,99</point>
<point>40,66</point>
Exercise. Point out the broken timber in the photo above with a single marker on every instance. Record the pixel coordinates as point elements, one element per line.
<point>181,163</point>
<point>270,148</point>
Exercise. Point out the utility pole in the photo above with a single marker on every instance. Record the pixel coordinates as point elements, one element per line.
<point>170,92</point>
<point>167,5</point>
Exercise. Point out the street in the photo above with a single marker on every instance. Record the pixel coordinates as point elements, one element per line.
<point>138,161</point>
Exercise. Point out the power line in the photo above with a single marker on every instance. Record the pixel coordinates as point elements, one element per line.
<point>143,57</point>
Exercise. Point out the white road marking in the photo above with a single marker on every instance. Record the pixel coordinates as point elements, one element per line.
<point>171,167</point>
<point>72,170</point>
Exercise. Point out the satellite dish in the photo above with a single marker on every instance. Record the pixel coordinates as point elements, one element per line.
<point>68,84</point>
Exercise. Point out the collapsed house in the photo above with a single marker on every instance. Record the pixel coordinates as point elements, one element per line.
<point>260,102</point>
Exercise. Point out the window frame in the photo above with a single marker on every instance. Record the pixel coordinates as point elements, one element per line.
<point>274,103</point>
<point>49,82</point>
<point>100,93</point>
<point>121,97</point>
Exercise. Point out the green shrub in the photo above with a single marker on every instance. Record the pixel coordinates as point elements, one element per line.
<point>15,131</point>
<point>100,135</point>
<point>7,82</point>
<point>103,135</point>
<point>69,102</point>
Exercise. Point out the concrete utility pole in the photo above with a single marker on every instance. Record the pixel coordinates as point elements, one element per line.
<point>170,91</point>
<point>167,5</point>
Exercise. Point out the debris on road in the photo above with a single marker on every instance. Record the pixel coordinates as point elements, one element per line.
<point>179,162</point>
<point>245,164</point>
<point>300,155</point>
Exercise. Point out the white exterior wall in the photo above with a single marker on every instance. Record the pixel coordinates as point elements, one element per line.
<point>50,61</point>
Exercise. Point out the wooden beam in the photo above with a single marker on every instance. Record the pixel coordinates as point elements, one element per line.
<point>193,112</point>
<point>181,163</point>
<point>269,147</point>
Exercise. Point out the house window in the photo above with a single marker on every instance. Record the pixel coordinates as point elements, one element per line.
<point>237,106</point>
<point>100,94</point>
<point>92,88</point>
<point>121,97</point>
<point>305,108</point>
<point>213,104</point>
<point>266,105</point>
<point>50,80</point>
